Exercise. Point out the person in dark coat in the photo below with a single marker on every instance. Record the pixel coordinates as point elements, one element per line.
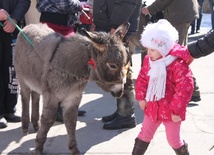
<point>16,9</point>
<point>179,13</point>
<point>107,16</point>
<point>203,46</point>
<point>197,23</point>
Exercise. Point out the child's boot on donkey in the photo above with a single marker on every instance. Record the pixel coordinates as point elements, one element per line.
<point>140,147</point>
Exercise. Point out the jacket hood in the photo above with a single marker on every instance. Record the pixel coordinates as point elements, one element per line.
<point>180,52</point>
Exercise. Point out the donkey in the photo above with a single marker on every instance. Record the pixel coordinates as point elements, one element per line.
<point>59,69</point>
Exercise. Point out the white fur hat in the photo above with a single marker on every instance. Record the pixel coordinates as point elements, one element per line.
<point>161,36</point>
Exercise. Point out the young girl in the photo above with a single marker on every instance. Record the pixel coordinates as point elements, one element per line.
<point>164,86</point>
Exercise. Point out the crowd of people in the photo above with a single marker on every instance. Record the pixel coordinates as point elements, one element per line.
<point>167,54</point>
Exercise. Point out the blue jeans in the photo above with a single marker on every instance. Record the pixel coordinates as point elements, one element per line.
<point>200,2</point>
<point>212,12</point>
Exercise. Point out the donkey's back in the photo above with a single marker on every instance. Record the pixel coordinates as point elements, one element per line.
<point>30,60</point>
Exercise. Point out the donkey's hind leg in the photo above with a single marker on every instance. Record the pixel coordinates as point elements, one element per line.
<point>70,112</point>
<point>48,117</point>
<point>25,98</point>
<point>35,97</point>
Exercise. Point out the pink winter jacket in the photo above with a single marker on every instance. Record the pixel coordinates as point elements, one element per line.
<point>179,88</point>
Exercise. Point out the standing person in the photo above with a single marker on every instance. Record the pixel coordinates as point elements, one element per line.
<point>197,21</point>
<point>107,16</point>
<point>212,12</point>
<point>180,14</point>
<point>8,82</point>
<point>163,87</point>
<point>60,15</point>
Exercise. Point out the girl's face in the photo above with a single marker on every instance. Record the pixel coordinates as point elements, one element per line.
<point>153,54</point>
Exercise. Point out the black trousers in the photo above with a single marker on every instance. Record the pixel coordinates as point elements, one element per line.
<point>8,81</point>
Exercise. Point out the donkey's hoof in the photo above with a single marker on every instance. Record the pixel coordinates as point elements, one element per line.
<point>25,132</point>
<point>39,147</point>
<point>36,128</point>
<point>75,151</point>
<point>38,152</point>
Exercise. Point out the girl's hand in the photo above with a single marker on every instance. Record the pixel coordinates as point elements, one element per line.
<point>8,26</point>
<point>143,104</point>
<point>3,15</point>
<point>176,118</point>
<point>191,59</point>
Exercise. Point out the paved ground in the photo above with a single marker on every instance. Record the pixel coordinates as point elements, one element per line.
<point>197,130</point>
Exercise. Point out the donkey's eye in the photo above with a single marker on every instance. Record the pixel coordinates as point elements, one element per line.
<point>112,66</point>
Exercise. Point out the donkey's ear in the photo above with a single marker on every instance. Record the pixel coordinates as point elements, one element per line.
<point>88,34</point>
<point>96,40</point>
<point>122,30</point>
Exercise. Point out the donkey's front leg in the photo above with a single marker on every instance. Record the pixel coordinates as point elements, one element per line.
<point>50,104</point>
<point>70,111</point>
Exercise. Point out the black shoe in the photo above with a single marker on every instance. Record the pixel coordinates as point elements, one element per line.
<point>192,32</point>
<point>12,118</point>
<point>120,123</point>
<point>109,117</point>
<point>195,98</point>
<point>81,112</point>
<point>3,122</point>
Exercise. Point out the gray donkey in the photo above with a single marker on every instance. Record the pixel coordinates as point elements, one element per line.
<point>59,69</point>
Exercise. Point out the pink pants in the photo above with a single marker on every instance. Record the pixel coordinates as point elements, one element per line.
<point>172,129</point>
